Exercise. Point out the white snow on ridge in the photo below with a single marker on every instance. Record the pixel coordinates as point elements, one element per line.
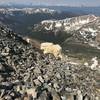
<point>49,28</point>
<point>27,10</point>
<point>71,24</point>
<point>48,21</point>
<point>58,24</point>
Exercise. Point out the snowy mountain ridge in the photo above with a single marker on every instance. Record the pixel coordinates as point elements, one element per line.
<point>68,24</point>
<point>84,29</point>
<point>26,10</point>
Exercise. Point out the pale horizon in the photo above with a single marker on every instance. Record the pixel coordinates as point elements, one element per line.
<point>87,3</point>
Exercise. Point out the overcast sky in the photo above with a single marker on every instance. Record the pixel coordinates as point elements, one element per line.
<point>54,2</point>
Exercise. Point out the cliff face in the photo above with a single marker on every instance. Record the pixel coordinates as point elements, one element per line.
<point>25,73</point>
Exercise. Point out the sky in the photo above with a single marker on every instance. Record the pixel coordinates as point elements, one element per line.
<point>54,2</point>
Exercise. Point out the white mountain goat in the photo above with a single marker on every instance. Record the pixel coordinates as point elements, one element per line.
<point>51,48</point>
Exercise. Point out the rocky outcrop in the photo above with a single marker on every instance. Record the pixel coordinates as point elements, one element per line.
<point>27,74</point>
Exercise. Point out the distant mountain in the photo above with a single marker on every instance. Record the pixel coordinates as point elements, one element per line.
<point>82,29</point>
<point>68,24</point>
<point>11,11</point>
<point>21,20</point>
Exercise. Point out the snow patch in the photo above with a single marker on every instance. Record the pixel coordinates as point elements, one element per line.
<point>95,63</point>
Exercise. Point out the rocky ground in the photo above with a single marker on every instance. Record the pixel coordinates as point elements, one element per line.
<point>27,74</point>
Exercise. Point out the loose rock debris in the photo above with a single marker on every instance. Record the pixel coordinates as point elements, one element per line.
<point>27,74</point>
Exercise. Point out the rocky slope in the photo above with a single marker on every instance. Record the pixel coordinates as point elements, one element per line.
<point>83,29</point>
<point>27,74</point>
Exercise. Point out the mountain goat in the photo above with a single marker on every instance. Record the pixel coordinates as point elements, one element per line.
<point>51,48</point>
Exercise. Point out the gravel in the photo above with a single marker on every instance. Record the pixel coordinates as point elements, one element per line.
<point>27,74</point>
